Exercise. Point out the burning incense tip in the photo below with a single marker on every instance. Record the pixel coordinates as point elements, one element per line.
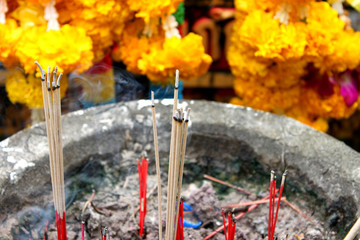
<point>42,71</point>
<point>48,78</point>
<point>54,78</point>
<point>176,116</point>
<point>187,115</point>
<point>177,79</point>
<point>58,80</point>
<point>283,178</point>
<point>152,99</point>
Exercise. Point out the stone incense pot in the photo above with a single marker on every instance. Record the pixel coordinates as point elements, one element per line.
<point>219,136</point>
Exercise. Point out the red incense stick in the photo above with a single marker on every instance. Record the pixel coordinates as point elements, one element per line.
<point>279,200</point>
<point>105,232</point>
<point>232,224</point>
<point>219,229</point>
<point>223,213</point>
<point>82,230</point>
<point>270,203</point>
<point>180,228</point>
<point>142,170</point>
<point>273,208</point>
<point>46,230</point>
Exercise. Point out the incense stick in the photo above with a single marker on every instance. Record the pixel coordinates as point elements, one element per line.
<point>228,184</point>
<point>182,161</point>
<point>52,109</point>
<point>171,161</point>
<point>175,176</point>
<point>243,204</point>
<point>156,146</point>
<point>298,211</point>
<point>353,231</point>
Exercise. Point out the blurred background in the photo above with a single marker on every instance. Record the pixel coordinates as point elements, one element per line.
<point>299,58</point>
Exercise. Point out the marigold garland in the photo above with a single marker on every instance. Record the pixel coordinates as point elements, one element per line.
<point>48,49</point>
<point>158,57</point>
<point>74,35</point>
<point>272,56</point>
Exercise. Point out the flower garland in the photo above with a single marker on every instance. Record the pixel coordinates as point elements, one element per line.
<point>295,64</point>
<point>157,56</point>
<point>74,35</point>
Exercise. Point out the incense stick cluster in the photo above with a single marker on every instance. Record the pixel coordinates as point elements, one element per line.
<point>230,233</point>
<point>104,234</point>
<point>272,214</point>
<point>52,109</point>
<point>176,163</point>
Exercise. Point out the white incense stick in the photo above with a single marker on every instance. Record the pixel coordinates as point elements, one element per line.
<point>179,135</point>
<point>156,146</point>
<point>171,160</point>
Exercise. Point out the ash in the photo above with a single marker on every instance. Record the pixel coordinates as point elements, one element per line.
<point>119,214</point>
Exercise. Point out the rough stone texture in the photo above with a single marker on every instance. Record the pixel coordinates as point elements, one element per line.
<point>315,160</point>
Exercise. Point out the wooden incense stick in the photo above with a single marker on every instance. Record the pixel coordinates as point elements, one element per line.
<point>244,204</point>
<point>353,231</point>
<point>171,160</point>
<point>228,184</point>
<point>156,147</point>
<point>182,161</point>
<point>52,109</point>
<point>176,168</point>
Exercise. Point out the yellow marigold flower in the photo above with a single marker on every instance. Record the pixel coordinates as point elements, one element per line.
<point>69,49</point>
<point>9,37</point>
<point>153,9</point>
<point>186,54</point>
<point>27,89</point>
<point>102,21</point>
<point>29,14</point>
<point>256,95</point>
<point>323,27</point>
<point>333,106</point>
<point>271,39</point>
<point>133,45</point>
<point>346,53</point>
<point>243,61</point>
<point>300,113</point>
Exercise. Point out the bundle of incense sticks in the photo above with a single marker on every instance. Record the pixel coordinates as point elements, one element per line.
<point>52,109</point>
<point>180,227</point>
<point>176,163</point>
<point>230,233</point>
<point>272,215</point>
<point>143,170</point>
<point>104,234</point>
<point>156,148</point>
